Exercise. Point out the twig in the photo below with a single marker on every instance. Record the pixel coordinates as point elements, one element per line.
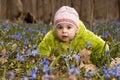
<point>116,44</point>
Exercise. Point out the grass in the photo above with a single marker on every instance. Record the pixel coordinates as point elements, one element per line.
<point>19,58</point>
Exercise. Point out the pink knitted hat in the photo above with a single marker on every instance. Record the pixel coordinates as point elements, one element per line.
<point>67,14</point>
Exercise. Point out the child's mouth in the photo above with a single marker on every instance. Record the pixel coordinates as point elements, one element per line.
<point>64,37</point>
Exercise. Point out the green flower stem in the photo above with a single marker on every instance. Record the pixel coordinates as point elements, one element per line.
<point>116,44</point>
<point>53,62</point>
<point>67,63</point>
<point>4,74</point>
<point>101,78</point>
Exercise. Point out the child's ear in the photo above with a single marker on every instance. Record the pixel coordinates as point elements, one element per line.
<point>76,32</point>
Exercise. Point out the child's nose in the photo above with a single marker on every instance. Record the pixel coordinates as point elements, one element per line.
<point>64,30</point>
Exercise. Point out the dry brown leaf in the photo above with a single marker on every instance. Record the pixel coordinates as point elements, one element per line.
<point>51,77</point>
<point>4,51</point>
<point>72,77</point>
<point>114,61</point>
<point>14,46</point>
<point>89,67</point>
<point>85,55</point>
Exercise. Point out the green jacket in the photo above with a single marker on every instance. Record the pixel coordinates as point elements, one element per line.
<point>51,45</point>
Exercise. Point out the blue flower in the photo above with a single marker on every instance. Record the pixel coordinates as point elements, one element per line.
<point>89,44</point>
<point>18,36</point>
<point>18,49</point>
<point>45,68</point>
<point>21,58</point>
<point>106,71</point>
<point>28,52</point>
<point>117,23</point>
<point>90,74</point>
<point>107,52</point>
<point>33,72</point>
<point>35,45</point>
<point>6,27</point>
<point>9,54</point>
<point>68,57</point>
<point>3,55</point>
<point>46,62</point>
<point>107,75</point>
<point>35,69</point>
<point>44,31</point>
<point>26,42</point>
<point>1,42</point>
<point>25,78</point>
<point>41,61</point>
<point>78,58</point>
<point>115,71</point>
<point>34,76</point>
<point>11,74</point>
<point>73,70</point>
<point>35,52</point>
<point>106,34</point>
<point>47,76</point>
<point>29,29</point>
<point>31,37</point>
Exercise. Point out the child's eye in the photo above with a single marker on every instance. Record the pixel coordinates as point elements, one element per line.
<point>59,27</point>
<point>69,27</point>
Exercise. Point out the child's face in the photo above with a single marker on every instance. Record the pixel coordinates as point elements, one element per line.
<point>65,32</point>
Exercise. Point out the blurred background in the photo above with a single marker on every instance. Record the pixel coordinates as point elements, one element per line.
<point>24,23</point>
<point>42,11</point>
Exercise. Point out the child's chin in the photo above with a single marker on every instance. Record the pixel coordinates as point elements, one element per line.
<point>65,40</point>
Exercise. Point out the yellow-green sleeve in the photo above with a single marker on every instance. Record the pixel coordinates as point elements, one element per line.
<point>99,47</point>
<point>98,43</point>
<point>45,45</point>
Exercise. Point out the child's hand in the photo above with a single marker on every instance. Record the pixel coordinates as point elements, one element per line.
<point>85,55</point>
